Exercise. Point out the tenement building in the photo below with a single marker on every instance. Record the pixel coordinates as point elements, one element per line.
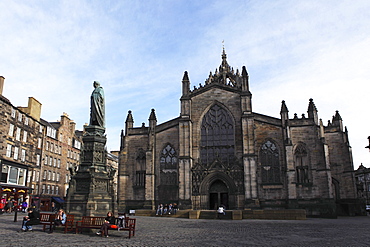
<point>220,152</point>
<point>20,148</point>
<point>35,155</point>
<point>61,151</point>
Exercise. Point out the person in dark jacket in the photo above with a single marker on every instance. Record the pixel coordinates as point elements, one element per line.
<point>110,221</point>
<point>33,218</point>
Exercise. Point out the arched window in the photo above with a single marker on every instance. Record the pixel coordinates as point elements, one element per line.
<point>301,164</point>
<point>217,136</point>
<point>168,158</point>
<point>168,166</point>
<point>270,164</point>
<point>140,168</point>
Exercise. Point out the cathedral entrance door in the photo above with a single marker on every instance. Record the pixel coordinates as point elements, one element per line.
<point>218,195</point>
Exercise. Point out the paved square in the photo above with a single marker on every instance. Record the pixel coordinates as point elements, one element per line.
<point>165,231</point>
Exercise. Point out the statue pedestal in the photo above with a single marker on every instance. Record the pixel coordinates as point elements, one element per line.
<point>91,190</point>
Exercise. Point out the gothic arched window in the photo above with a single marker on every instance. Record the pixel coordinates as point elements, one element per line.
<point>301,164</point>
<point>168,166</point>
<point>168,158</point>
<point>270,164</point>
<point>217,136</point>
<point>140,168</point>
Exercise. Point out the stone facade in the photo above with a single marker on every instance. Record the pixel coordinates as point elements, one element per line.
<point>218,151</point>
<point>112,164</point>
<point>36,154</point>
<point>61,151</point>
<point>363,185</point>
<point>20,153</point>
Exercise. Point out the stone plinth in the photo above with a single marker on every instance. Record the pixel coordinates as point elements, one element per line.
<point>91,188</point>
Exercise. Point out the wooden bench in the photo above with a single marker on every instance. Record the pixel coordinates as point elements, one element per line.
<point>47,219</point>
<point>92,222</point>
<point>69,225</point>
<point>130,224</point>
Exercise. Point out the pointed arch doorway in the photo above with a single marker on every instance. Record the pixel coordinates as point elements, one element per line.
<point>218,195</point>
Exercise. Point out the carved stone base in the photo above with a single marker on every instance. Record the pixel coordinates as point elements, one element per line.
<point>91,190</point>
<point>91,194</point>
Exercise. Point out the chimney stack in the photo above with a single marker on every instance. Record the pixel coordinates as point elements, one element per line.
<point>1,84</point>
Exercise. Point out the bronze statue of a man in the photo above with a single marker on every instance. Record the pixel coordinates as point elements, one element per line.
<point>97,111</point>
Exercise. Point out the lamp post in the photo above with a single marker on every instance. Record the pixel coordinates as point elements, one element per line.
<point>15,207</point>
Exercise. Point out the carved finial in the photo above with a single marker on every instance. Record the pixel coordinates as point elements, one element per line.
<point>284,108</point>
<point>186,76</point>
<point>244,71</point>
<point>152,115</point>
<point>129,117</point>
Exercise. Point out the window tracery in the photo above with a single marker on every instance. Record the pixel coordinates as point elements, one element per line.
<point>270,163</point>
<point>168,166</point>
<point>217,136</point>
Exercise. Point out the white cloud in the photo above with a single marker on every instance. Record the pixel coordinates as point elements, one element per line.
<point>293,50</point>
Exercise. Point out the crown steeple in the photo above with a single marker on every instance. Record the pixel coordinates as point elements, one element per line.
<point>224,65</point>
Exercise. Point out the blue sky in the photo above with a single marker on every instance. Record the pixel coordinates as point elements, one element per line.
<point>139,50</point>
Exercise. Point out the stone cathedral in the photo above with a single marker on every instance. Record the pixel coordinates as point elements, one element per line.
<point>218,151</point>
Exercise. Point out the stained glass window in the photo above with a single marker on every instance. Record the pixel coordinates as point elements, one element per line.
<point>270,164</point>
<point>168,166</point>
<point>217,136</point>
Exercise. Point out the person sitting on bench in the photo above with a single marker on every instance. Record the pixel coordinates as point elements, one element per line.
<point>33,218</point>
<point>110,221</point>
<point>60,219</point>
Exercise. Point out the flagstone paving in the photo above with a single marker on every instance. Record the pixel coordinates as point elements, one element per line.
<point>165,231</point>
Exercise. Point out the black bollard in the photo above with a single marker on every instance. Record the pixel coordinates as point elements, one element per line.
<point>15,215</point>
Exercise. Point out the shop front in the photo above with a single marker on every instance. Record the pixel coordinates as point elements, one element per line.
<point>15,193</point>
<point>48,203</point>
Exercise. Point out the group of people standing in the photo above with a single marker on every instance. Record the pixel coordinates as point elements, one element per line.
<point>11,205</point>
<point>167,209</point>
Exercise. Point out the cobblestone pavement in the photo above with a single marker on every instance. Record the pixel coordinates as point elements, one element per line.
<point>164,231</point>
